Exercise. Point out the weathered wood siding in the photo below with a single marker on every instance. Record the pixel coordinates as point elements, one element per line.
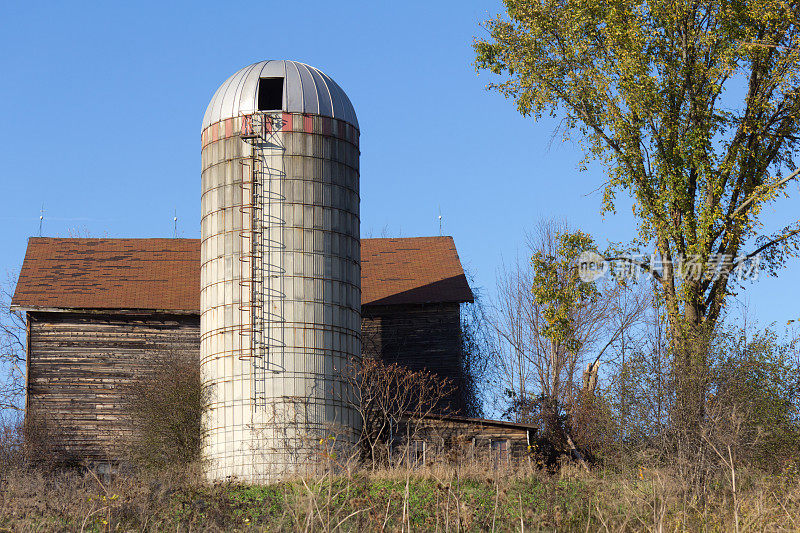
<point>419,337</point>
<point>78,367</point>
<point>467,440</point>
<point>80,363</point>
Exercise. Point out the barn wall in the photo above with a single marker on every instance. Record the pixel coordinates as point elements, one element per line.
<point>419,337</point>
<point>78,365</point>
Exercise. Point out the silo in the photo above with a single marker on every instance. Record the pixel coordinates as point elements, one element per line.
<point>280,278</point>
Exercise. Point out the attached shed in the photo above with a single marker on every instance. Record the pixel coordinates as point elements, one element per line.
<point>442,438</point>
<point>99,311</point>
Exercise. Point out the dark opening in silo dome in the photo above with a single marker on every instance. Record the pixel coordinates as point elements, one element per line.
<point>270,94</point>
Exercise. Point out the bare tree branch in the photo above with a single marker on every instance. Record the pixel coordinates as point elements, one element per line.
<point>12,350</point>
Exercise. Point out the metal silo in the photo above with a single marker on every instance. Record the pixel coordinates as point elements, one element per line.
<point>280,278</point>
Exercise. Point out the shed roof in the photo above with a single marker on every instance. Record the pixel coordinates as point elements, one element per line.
<point>164,274</point>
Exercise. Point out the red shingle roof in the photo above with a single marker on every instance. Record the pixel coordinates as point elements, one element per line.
<point>159,274</point>
<point>164,274</point>
<point>412,270</point>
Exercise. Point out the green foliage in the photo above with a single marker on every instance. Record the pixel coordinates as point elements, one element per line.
<point>643,84</point>
<point>757,381</point>
<point>653,91</point>
<point>246,505</point>
<point>752,407</point>
<point>559,290</point>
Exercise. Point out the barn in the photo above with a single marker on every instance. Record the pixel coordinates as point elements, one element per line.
<point>100,310</point>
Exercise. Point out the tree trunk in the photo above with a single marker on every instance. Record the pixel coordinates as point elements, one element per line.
<point>690,345</point>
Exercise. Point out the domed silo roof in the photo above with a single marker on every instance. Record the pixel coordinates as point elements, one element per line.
<point>304,89</point>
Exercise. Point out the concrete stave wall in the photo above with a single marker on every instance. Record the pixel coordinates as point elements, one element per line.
<point>269,415</point>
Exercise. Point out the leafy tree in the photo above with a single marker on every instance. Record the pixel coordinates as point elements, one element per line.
<point>558,288</point>
<point>550,323</point>
<point>693,107</point>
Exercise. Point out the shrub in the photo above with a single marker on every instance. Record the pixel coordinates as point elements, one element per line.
<point>11,445</point>
<point>166,410</point>
<point>755,398</point>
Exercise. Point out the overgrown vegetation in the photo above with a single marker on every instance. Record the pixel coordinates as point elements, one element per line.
<point>391,399</point>
<point>755,380</point>
<point>751,420</point>
<point>165,407</point>
<point>466,497</point>
<point>478,354</point>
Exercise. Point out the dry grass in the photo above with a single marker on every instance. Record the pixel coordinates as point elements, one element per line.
<point>445,498</point>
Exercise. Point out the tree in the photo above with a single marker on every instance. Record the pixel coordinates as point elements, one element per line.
<point>389,398</point>
<point>550,322</point>
<point>650,88</point>
<point>12,352</point>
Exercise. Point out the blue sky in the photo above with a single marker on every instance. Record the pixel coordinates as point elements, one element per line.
<point>101,105</point>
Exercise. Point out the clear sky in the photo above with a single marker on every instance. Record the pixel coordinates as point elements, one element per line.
<point>101,105</point>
